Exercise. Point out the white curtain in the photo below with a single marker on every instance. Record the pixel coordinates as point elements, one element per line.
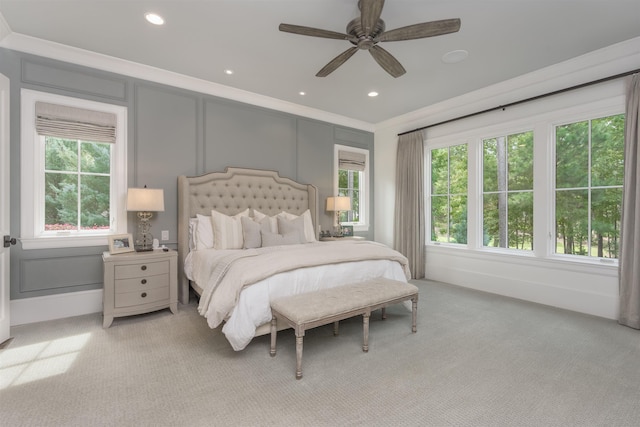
<point>630,229</point>
<point>409,224</point>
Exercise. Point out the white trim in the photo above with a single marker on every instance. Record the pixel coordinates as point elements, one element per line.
<point>5,30</point>
<point>47,49</point>
<point>31,162</point>
<point>59,306</point>
<point>365,191</point>
<point>541,118</point>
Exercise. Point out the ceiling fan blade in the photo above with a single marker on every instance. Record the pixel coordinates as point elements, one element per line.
<point>370,11</point>
<point>419,31</point>
<point>336,62</point>
<point>387,61</point>
<point>313,32</point>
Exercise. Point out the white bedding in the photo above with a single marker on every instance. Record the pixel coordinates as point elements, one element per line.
<point>252,308</point>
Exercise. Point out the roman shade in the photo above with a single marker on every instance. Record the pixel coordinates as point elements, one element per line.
<point>61,121</point>
<point>351,160</point>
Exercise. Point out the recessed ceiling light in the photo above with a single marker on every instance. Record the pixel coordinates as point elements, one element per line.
<point>373,94</point>
<point>154,18</point>
<point>455,56</point>
<point>301,93</point>
<point>228,71</point>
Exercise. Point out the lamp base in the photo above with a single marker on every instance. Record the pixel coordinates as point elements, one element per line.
<point>144,239</point>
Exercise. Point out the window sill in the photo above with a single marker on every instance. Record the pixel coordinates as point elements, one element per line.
<point>357,227</point>
<point>598,266</point>
<point>54,242</point>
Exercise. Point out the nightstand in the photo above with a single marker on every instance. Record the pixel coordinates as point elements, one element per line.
<point>139,282</point>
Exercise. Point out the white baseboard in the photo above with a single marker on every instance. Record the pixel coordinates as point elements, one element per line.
<point>51,307</point>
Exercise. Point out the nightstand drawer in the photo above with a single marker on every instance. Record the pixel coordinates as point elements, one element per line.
<point>141,283</point>
<point>142,269</point>
<point>128,299</point>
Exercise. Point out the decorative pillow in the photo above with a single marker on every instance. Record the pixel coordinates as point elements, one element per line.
<point>309,234</point>
<point>274,239</point>
<point>204,233</point>
<point>273,224</point>
<point>251,232</point>
<point>227,230</point>
<point>288,226</point>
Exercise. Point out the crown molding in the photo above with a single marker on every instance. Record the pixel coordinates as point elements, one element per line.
<point>615,59</point>
<point>60,52</point>
<point>5,30</point>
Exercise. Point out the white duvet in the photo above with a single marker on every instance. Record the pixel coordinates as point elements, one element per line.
<point>251,307</point>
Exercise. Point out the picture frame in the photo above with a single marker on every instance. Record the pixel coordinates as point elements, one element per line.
<point>347,231</point>
<point>121,243</point>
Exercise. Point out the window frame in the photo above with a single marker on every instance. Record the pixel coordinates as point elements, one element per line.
<point>542,118</point>
<point>363,224</point>
<point>32,234</point>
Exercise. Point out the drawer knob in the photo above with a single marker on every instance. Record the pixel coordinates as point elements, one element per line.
<point>143,295</point>
<point>143,281</point>
<point>144,267</point>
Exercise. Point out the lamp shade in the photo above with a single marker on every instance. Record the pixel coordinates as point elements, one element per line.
<point>339,203</point>
<point>145,199</point>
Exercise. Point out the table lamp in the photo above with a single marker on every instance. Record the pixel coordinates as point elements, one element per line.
<point>145,201</point>
<point>338,204</point>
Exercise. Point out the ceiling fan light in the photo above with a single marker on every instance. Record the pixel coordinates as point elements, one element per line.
<point>154,18</point>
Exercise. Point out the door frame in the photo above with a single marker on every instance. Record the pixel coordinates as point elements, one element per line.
<point>5,224</point>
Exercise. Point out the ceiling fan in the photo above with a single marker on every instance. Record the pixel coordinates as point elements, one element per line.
<point>366,31</point>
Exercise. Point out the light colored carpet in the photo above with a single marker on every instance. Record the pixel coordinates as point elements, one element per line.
<point>476,360</point>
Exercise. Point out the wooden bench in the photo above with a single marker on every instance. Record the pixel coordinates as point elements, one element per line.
<point>309,310</point>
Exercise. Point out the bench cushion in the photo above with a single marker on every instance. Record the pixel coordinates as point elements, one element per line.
<point>312,306</point>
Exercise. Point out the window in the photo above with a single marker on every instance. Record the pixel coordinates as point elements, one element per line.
<point>449,194</point>
<point>588,186</point>
<point>77,182</point>
<point>352,180</point>
<point>507,176</point>
<point>539,182</point>
<point>73,171</point>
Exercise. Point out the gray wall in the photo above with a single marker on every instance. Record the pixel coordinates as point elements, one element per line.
<point>171,132</point>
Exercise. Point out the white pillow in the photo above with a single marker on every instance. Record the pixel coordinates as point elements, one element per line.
<point>204,233</point>
<point>273,222</point>
<point>309,234</point>
<point>227,230</point>
<point>193,226</point>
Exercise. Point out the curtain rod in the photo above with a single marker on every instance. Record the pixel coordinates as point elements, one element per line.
<point>533,98</point>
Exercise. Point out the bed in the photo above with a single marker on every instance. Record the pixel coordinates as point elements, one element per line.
<point>236,277</point>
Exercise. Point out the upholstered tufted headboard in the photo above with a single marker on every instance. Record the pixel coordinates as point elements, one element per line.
<point>232,191</point>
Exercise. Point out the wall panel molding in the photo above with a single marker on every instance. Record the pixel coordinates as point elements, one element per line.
<point>63,272</point>
<point>72,79</point>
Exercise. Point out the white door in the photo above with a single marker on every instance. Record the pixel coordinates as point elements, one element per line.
<point>4,207</point>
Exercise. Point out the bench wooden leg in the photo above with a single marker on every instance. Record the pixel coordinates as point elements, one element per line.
<point>299,356</point>
<point>335,328</point>
<point>384,313</point>
<point>414,314</point>
<point>365,331</point>
<point>274,333</point>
